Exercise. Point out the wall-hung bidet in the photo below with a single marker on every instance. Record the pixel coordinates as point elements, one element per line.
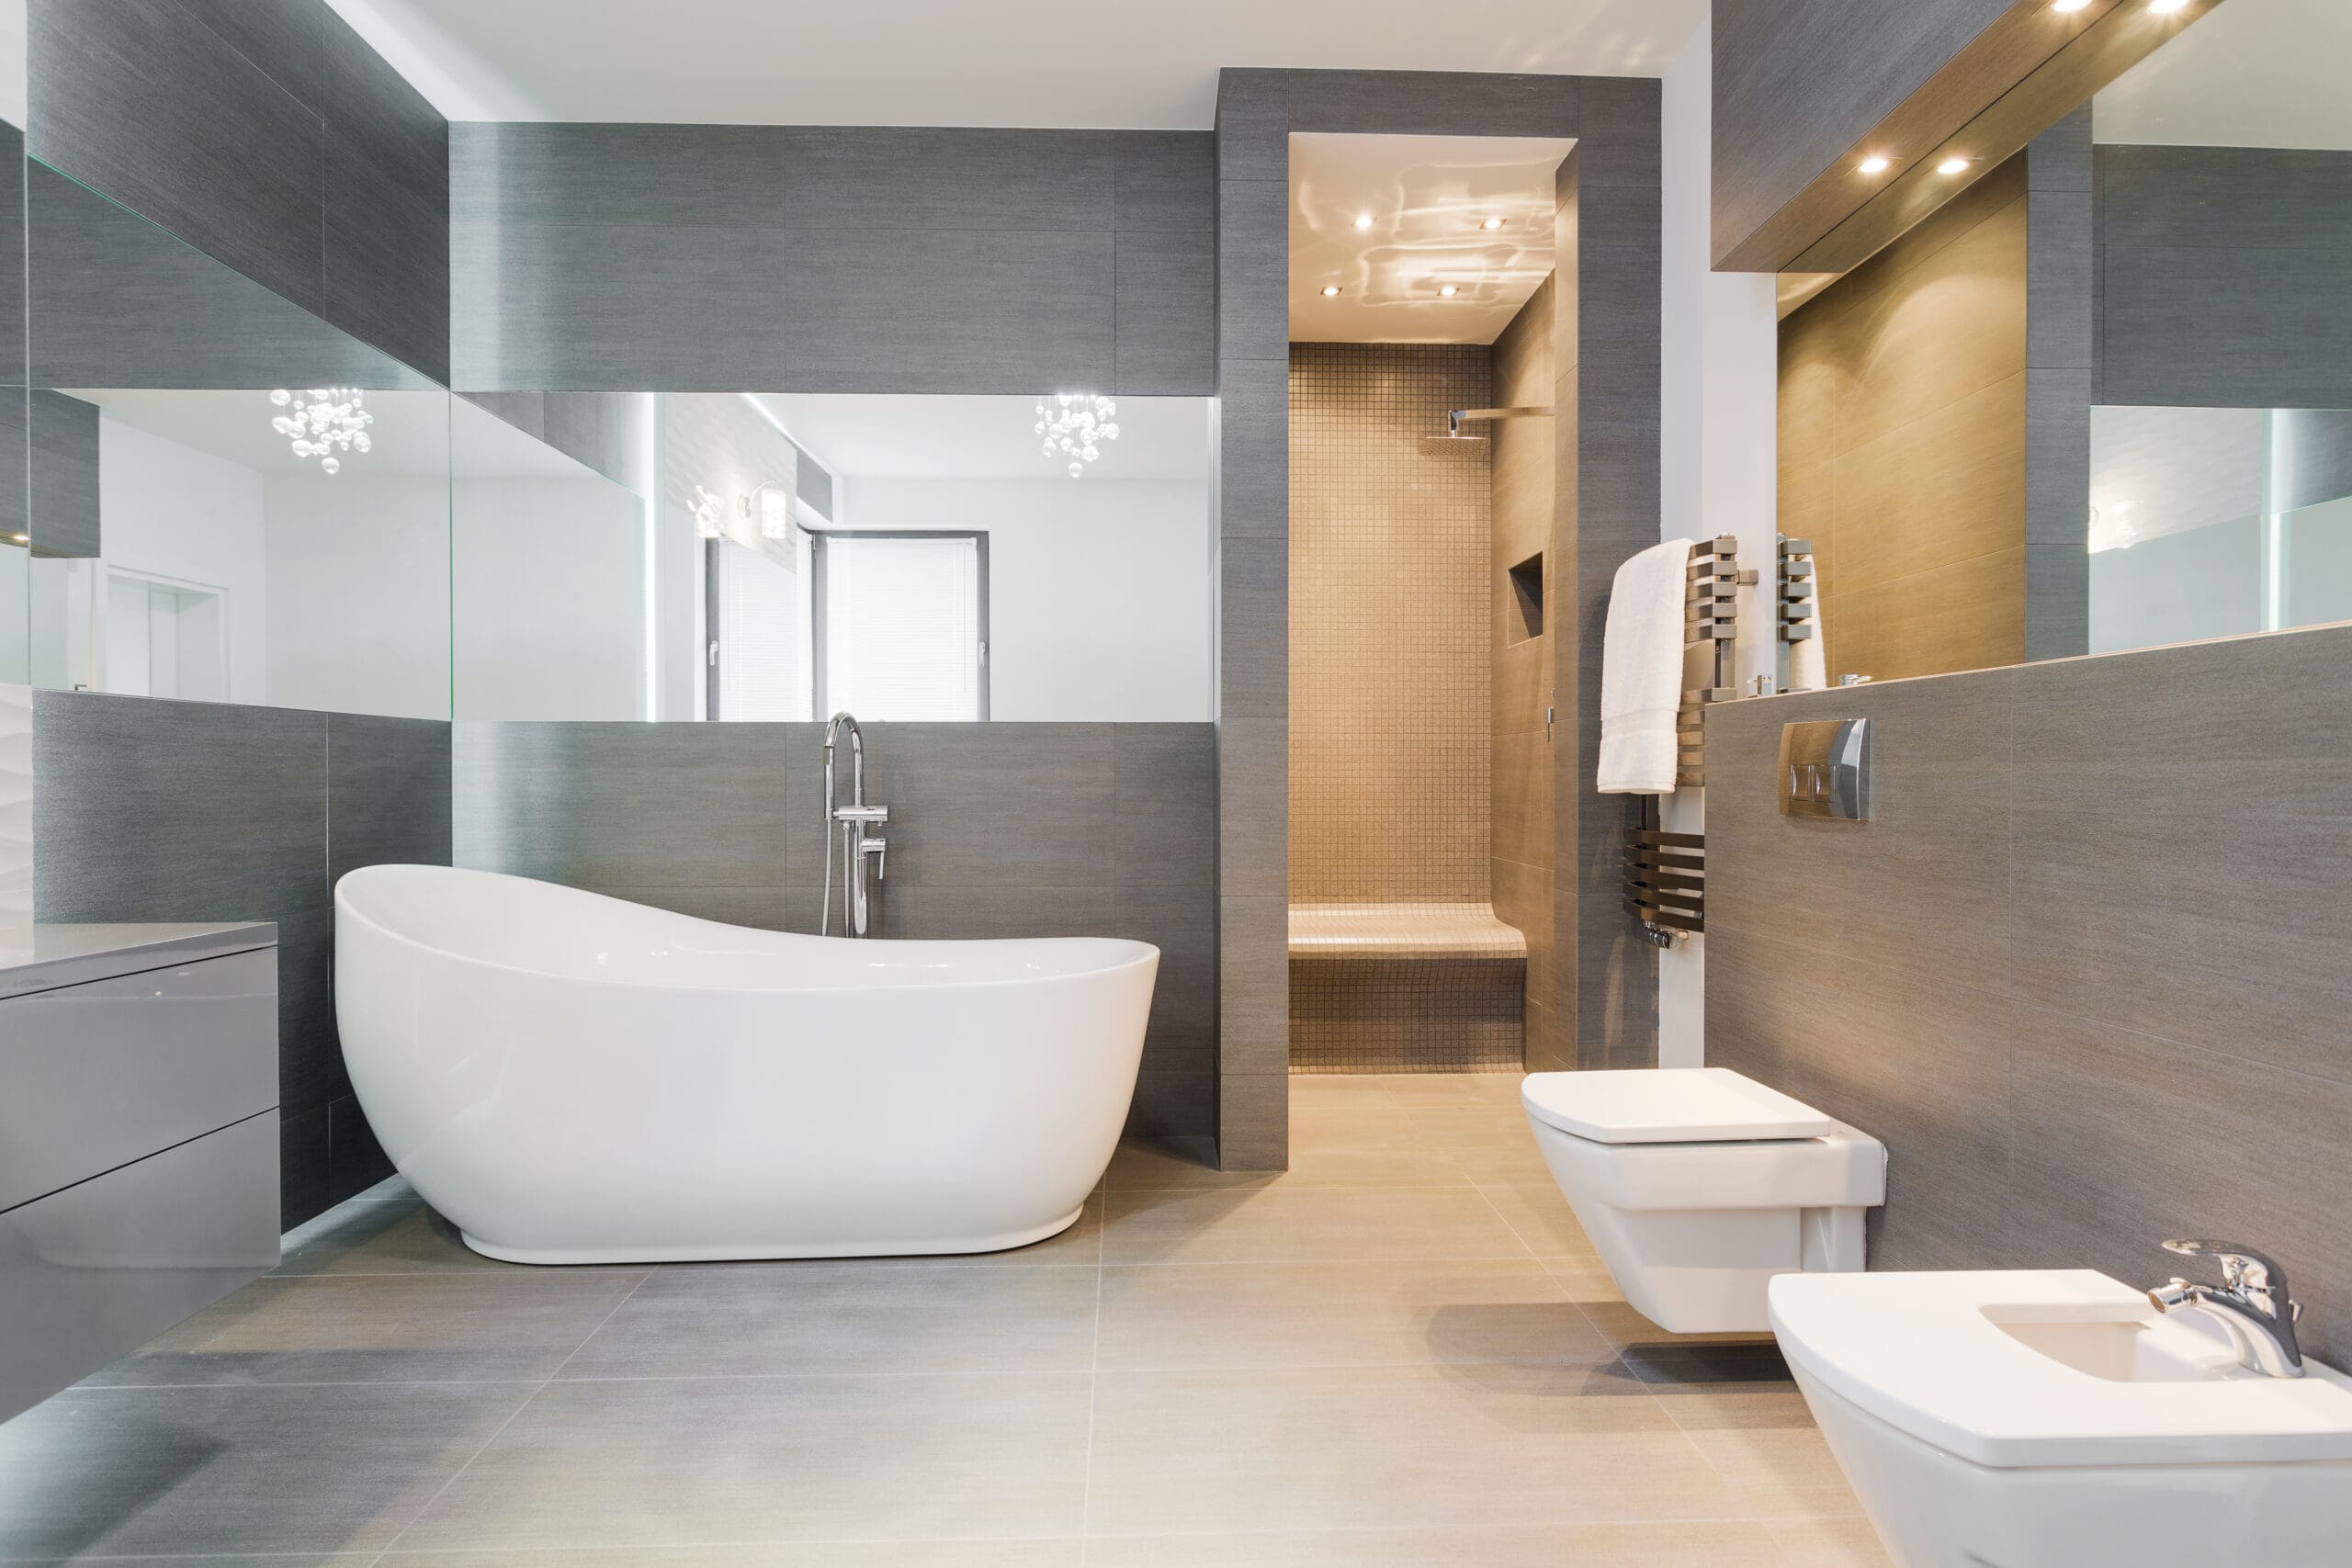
<point>2062,1419</point>
<point>1697,1186</point>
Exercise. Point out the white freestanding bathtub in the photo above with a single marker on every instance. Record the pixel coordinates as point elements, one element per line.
<point>572,1078</point>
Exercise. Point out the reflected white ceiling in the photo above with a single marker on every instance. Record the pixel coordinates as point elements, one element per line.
<point>410,435</point>
<point>878,435</point>
<point>954,62</point>
<point>2165,470</point>
<point>1428,198</point>
<point>2249,73</point>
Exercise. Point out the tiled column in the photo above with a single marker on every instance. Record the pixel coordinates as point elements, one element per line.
<point>1254,622</point>
<point>2060,280</point>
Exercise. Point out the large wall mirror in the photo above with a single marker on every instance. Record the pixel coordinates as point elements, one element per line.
<point>2097,401</point>
<point>230,501</point>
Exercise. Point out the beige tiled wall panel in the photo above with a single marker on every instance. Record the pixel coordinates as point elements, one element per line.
<point>1389,770</point>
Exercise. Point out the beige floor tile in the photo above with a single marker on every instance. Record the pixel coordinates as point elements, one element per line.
<point>1386,1448</point>
<point>1241,1315</point>
<point>1629,1330</point>
<point>1761,1438</point>
<point>1307,1225</point>
<point>1319,1089</point>
<point>1739,1545</point>
<point>1490,1143</point>
<point>1454,1089</point>
<point>1063,1553</point>
<point>1830,1543</point>
<point>765,1319</point>
<point>1361,1146</point>
<point>457,1327</point>
<point>773,1459</point>
<point>1541,1218</point>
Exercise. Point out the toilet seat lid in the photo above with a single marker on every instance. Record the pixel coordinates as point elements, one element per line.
<point>1668,1105</point>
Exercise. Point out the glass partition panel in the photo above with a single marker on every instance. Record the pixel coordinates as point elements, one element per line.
<point>230,500</point>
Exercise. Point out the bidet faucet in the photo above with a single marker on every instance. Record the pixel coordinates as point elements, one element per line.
<point>846,828</point>
<point>2252,1304</point>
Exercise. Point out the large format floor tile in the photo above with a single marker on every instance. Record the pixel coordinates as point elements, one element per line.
<point>517,1324</point>
<point>114,1471</point>
<point>753,1320</point>
<point>1403,1351</point>
<point>648,1463</point>
<point>1296,1314</point>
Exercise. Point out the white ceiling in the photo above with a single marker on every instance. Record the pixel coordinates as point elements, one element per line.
<point>1132,63</point>
<point>1427,197</point>
<point>883,435</point>
<point>2249,74</point>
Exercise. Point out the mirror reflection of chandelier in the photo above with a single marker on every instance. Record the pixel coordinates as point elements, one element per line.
<point>324,421</point>
<point>1075,425</point>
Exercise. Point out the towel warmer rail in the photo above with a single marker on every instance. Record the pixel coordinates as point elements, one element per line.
<point>1666,873</point>
<point>1797,616</point>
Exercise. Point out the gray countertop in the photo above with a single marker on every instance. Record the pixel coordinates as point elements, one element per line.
<point>43,957</point>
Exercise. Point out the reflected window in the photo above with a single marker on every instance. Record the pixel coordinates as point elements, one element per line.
<point>902,630</point>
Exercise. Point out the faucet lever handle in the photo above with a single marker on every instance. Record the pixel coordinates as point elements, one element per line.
<point>2243,1267</point>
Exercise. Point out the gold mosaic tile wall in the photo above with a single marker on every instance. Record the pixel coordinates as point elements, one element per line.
<point>1389,664</point>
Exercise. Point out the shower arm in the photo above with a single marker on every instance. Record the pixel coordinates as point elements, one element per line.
<point>1456,418</point>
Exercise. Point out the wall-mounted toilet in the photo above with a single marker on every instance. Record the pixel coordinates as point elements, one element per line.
<point>1698,1185</point>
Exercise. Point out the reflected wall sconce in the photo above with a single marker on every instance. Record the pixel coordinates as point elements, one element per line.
<point>775,523</point>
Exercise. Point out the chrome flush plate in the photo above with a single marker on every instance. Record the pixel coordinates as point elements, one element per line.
<point>1824,769</point>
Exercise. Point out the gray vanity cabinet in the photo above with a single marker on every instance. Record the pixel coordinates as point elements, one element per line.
<point>138,1137</point>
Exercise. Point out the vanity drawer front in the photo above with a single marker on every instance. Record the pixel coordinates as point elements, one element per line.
<point>94,1076</point>
<point>102,1268</point>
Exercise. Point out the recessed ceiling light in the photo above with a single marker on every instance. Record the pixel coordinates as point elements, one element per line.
<point>1492,223</point>
<point>2166,7</point>
<point>2067,7</point>
<point>1330,290</point>
<point>1951,165</point>
<point>1364,219</point>
<point>1448,290</point>
<point>22,538</point>
<point>1876,163</point>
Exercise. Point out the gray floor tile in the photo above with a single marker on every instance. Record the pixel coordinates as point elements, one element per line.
<point>1732,1545</point>
<point>112,1471</point>
<point>1386,1446</point>
<point>774,1460</point>
<point>1033,1553</point>
<point>1302,1225</point>
<point>1203,1315</point>
<point>762,1319</point>
<point>1350,1145</point>
<point>398,1237</point>
<point>520,1323</point>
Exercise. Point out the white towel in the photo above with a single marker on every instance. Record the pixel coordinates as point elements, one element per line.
<point>1808,661</point>
<point>1641,671</point>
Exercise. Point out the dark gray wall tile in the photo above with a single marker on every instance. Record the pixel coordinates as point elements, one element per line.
<point>1252,271</point>
<point>12,257</point>
<point>64,456</point>
<point>1252,125</point>
<point>1253,1120</point>
<point>1618,132</point>
<point>388,792</point>
<point>1166,181</point>
<point>1253,449</point>
<point>142,102</point>
<point>285,39</point>
<point>1253,612</point>
<point>941,181</point>
<point>1165,312</point>
<point>526,411</point>
<point>1433,102</point>
<point>1253,808</point>
<point>2057,600</point>
<point>1164,797</point>
<point>356,1161</point>
<point>387,259</point>
<point>2058,279</point>
<point>1253,984</point>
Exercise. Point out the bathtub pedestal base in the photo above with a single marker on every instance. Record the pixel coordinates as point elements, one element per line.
<point>942,1246</point>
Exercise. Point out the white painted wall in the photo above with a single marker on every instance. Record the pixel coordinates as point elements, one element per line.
<point>550,600</point>
<point>1098,591</point>
<point>1721,350</point>
<point>358,592</point>
<point>169,511</point>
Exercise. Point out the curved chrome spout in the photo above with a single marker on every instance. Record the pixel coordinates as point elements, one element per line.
<point>857,762</point>
<point>2252,1304</point>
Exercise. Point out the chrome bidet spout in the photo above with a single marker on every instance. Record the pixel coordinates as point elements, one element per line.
<point>847,839</point>
<point>2251,1304</point>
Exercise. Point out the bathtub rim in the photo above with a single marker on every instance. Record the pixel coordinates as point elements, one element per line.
<point>1141,951</point>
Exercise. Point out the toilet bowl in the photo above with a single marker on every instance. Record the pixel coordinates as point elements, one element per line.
<point>1698,1185</point>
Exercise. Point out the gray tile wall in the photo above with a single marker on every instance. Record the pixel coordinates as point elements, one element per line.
<point>1606,506</point>
<point>2060,232</point>
<point>155,810</point>
<point>2083,968</point>
<point>2224,277</point>
<point>831,259</point>
<point>996,830</point>
<point>269,135</point>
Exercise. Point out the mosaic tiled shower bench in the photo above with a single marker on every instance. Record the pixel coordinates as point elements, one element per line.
<point>1405,988</point>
